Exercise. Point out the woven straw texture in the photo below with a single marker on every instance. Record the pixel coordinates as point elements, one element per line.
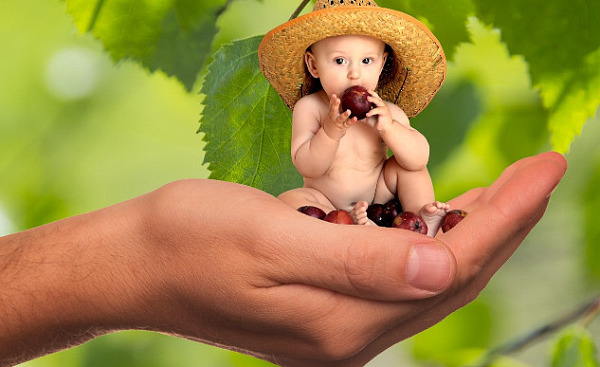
<point>416,51</point>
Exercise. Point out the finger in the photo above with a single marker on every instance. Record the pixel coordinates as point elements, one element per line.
<point>479,256</point>
<point>330,325</point>
<point>334,106</point>
<point>373,94</point>
<point>364,261</point>
<point>435,309</point>
<point>335,102</point>
<point>505,211</point>
<point>376,100</point>
<point>378,112</point>
<point>341,117</point>
<point>432,310</point>
<point>347,121</point>
<point>465,200</point>
<point>510,170</point>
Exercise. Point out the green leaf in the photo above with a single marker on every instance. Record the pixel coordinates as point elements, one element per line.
<point>446,19</point>
<point>572,98</point>
<point>554,36</point>
<point>575,348</point>
<point>246,124</point>
<point>169,35</point>
<point>560,42</point>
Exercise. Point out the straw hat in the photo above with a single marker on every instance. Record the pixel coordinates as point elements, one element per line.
<point>413,74</point>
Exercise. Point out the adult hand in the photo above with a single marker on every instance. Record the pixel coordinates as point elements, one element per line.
<point>230,266</point>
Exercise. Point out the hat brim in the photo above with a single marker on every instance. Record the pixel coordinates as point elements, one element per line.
<point>419,60</point>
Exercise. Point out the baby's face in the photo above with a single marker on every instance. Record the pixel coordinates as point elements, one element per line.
<point>343,61</point>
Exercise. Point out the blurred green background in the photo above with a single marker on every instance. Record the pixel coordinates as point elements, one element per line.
<point>78,132</point>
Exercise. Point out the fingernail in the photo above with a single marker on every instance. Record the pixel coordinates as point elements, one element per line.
<point>429,267</point>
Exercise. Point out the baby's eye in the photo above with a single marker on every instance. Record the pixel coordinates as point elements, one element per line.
<point>340,61</point>
<point>367,60</point>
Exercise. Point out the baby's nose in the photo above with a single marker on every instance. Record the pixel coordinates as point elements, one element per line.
<point>353,72</point>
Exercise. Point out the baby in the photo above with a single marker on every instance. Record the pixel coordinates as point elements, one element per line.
<point>344,161</point>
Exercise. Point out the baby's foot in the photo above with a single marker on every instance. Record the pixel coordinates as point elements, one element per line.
<point>359,214</point>
<point>433,214</point>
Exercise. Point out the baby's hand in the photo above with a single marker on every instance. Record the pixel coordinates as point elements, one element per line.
<point>336,123</point>
<point>381,115</point>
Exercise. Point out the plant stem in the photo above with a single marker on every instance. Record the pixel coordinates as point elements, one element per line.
<point>95,15</point>
<point>299,9</point>
<point>587,312</point>
<point>591,313</point>
<point>224,7</point>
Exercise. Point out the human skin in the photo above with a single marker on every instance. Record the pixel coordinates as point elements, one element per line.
<point>344,161</point>
<point>234,267</point>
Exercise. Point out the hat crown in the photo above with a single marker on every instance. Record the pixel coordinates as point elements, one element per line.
<point>326,4</point>
<point>415,67</point>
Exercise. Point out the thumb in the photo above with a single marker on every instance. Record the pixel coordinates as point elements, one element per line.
<point>368,262</point>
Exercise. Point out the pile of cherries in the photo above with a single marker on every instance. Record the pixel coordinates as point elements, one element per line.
<point>389,214</point>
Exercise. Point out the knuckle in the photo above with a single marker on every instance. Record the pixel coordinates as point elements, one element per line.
<point>361,267</point>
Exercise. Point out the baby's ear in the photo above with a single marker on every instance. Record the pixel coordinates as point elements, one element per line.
<point>385,57</point>
<point>311,64</point>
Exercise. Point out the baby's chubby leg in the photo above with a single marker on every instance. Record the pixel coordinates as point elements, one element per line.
<point>382,195</point>
<point>432,214</point>
<point>414,189</point>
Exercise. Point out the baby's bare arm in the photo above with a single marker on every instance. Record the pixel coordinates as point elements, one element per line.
<point>314,144</point>
<point>409,146</point>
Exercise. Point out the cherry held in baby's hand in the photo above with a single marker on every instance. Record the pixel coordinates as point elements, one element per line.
<point>355,100</point>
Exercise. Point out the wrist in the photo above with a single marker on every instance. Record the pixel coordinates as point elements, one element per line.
<point>385,127</point>
<point>334,133</point>
<point>66,282</point>
<point>109,269</point>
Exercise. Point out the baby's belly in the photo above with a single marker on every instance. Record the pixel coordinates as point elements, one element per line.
<point>344,189</point>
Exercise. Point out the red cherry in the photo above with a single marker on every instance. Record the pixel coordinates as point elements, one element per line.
<point>391,209</point>
<point>355,100</point>
<point>452,218</point>
<point>411,221</point>
<point>339,217</point>
<point>312,211</point>
<point>375,214</point>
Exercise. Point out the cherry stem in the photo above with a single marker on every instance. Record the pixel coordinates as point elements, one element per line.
<point>299,9</point>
